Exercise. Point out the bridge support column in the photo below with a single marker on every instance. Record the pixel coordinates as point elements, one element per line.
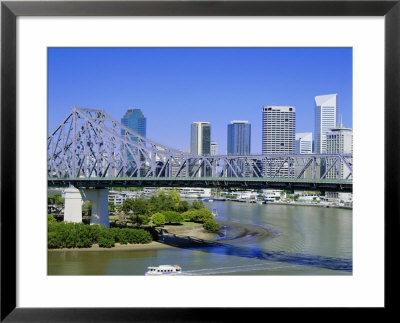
<point>99,197</point>
<point>73,205</point>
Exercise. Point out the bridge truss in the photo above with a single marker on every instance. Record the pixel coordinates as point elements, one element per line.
<point>89,144</point>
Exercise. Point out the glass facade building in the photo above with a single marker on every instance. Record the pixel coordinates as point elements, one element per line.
<point>135,121</point>
<point>200,138</point>
<point>239,138</point>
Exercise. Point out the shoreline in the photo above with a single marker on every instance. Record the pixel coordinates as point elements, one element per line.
<point>235,233</point>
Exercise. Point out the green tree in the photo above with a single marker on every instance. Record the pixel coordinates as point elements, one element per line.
<point>173,217</point>
<point>211,225</point>
<point>111,207</point>
<point>197,205</point>
<point>137,206</point>
<point>158,219</point>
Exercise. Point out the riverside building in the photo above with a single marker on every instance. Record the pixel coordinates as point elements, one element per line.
<point>339,140</point>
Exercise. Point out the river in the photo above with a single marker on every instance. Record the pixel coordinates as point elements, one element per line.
<point>305,240</point>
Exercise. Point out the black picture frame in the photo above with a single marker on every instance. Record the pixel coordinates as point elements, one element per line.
<point>10,10</point>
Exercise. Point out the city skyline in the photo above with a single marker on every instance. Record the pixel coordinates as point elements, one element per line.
<point>175,87</point>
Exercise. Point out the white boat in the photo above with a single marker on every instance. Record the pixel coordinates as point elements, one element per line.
<point>163,270</point>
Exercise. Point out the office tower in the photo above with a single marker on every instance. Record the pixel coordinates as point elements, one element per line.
<point>339,140</point>
<point>200,143</point>
<point>238,143</point>
<point>213,148</point>
<point>279,126</point>
<point>304,143</point>
<point>239,138</point>
<point>326,118</point>
<point>135,121</point>
<point>278,137</point>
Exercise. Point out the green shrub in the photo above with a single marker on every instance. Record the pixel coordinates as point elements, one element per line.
<point>140,219</point>
<point>79,235</point>
<point>158,219</point>
<point>173,217</point>
<point>51,219</point>
<point>211,225</point>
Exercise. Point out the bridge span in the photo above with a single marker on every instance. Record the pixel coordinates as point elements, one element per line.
<point>89,152</point>
<point>305,184</point>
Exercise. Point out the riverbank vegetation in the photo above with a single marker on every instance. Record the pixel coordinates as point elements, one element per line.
<point>143,216</point>
<point>80,235</point>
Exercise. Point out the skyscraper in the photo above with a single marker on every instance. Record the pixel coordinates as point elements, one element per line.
<point>278,137</point>
<point>239,138</point>
<point>134,120</point>
<point>200,144</point>
<point>304,143</point>
<point>214,148</point>
<point>279,126</point>
<point>326,118</point>
<point>200,138</point>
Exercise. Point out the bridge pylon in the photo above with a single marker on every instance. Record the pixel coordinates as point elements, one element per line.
<point>73,205</point>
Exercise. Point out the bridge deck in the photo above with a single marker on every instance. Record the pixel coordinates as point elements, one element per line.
<point>340,185</point>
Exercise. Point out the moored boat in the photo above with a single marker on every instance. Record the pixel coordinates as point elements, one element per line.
<point>163,270</point>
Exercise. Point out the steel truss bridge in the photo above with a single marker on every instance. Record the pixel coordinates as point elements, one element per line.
<point>91,149</point>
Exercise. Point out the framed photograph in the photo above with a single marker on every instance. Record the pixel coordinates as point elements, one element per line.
<point>152,120</point>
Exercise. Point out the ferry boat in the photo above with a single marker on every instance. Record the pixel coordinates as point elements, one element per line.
<point>163,270</point>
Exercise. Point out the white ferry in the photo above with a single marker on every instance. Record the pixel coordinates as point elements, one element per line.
<point>163,270</point>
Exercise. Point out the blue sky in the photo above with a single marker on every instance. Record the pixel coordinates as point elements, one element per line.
<point>176,86</point>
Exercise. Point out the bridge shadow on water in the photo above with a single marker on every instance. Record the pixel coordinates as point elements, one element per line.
<point>186,242</point>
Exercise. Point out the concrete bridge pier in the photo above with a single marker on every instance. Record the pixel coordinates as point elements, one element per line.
<point>73,205</point>
<point>99,198</point>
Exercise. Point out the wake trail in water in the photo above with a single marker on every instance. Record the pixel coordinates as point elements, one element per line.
<point>217,247</point>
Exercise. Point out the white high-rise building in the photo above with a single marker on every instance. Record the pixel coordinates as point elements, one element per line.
<point>278,137</point>
<point>339,141</point>
<point>214,148</point>
<point>326,118</point>
<point>279,129</point>
<point>304,143</point>
<point>200,144</point>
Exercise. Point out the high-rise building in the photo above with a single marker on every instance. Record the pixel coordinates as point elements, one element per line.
<point>278,137</point>
<point>200,144</point>
<point>239,138</point>
<point>213,148</point>
<point>326,118</point>
<point>279,127</point>
<point>200,138</point>
<point>339,140</point>
<point>304,143</point>
<point>134,120</point>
